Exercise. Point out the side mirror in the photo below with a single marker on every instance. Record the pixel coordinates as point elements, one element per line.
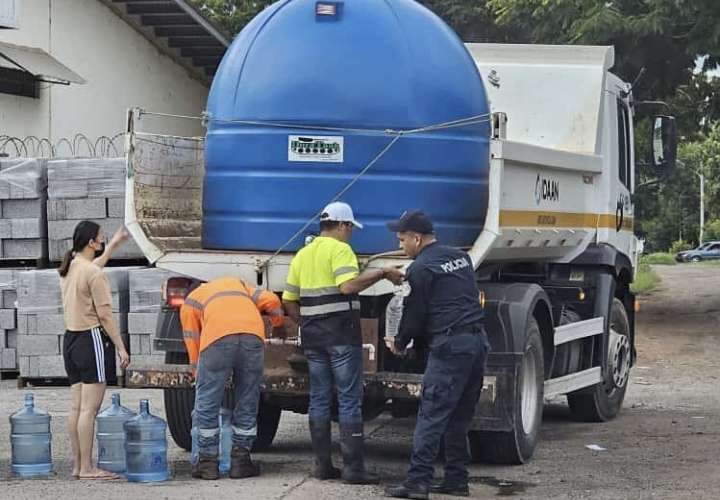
<point>664,143</point>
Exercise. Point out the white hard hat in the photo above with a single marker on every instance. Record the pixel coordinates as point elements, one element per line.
<point>339,212</point>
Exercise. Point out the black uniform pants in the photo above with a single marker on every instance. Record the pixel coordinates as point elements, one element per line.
<point>451,388</point>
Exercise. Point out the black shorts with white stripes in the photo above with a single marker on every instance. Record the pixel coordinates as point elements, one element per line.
<point>89,357</point>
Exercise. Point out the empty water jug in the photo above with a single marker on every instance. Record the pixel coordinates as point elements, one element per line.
<point>146,447</point>
<point>225,446</point>
<point>111,435</point>
<point>31,439</point>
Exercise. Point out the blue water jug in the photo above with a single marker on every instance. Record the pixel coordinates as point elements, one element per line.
<point>31,440</point>
<point>111,435</point>
<point>146,447</point>
<point>225,422</point>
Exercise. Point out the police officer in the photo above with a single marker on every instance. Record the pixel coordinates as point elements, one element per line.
<point>321,293</point>
<point>443,311</point>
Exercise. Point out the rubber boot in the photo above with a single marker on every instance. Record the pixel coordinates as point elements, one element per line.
<point>321,442</point>
<point>353,452</point>
<point>241,465</point>
<point>406,490</point>
<point>206,467</point>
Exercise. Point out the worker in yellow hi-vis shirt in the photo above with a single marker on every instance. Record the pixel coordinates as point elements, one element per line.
<point>322,296</point>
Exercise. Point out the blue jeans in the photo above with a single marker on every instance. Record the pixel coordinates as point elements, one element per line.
<point>341,367</point>
<point>241,356</point>
<point>451,388</point>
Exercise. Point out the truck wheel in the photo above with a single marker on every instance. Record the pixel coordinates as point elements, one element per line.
<point>518,445</point>
<point>606,399</point>
<point>179,404</point>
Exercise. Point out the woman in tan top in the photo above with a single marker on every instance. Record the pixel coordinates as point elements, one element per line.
<point>91,340</point>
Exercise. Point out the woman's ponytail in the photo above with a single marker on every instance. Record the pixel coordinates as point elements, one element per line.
<point>65,265</point>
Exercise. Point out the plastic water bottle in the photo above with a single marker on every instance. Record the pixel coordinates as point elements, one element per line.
<point>146,447</point>
<point>225,447</point>
<point>31,440</point>
<point>111,435</point>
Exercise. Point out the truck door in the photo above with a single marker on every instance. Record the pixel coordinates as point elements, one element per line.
<point>620,219</point>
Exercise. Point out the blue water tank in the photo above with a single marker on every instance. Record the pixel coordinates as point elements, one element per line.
<point>110,435</point>
<point>146,447</point>
<point>31,441</point>
<point>301,103</point>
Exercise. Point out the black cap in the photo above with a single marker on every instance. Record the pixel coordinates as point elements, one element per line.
<point>412,220</point>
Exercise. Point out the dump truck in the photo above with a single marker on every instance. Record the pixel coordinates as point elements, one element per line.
<point>554,258</point>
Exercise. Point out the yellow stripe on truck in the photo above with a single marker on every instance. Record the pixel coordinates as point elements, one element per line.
<point>523,218</point>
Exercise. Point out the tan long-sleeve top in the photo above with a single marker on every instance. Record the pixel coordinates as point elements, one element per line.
<point>87,300</point>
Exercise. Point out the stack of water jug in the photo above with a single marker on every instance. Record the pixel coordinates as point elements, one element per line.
<point>130,444</point>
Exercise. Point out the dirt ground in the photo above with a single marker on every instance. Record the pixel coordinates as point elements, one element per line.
<point>663,445</point>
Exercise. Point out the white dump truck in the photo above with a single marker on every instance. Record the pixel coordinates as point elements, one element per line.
<point>554,260</point>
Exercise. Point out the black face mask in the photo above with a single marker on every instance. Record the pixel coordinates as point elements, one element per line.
<point>98,253</point>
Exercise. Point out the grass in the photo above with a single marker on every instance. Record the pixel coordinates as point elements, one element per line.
<point>646,279</point>
<point>665,259</point>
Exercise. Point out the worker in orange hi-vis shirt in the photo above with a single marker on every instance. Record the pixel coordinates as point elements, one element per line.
<point>225,334</point>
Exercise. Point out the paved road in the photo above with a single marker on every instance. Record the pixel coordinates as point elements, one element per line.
<point>664,444</point>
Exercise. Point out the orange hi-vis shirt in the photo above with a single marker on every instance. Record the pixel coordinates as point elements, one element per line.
<point>226,306</point>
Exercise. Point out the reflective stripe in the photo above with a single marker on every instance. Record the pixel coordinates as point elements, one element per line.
<point>228,293</point>
<point>194,304</point>
<point>191,335</point>
<point>329,308</point>
<point>292,288</point>
<point>193,365</point>
<point>319,292</point>
<point>345,270</point>
<point>244,432</point>
<point>256,295</point>
<point>208,433</point>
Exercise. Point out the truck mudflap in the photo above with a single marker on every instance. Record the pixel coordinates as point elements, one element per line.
<point>386,385</point>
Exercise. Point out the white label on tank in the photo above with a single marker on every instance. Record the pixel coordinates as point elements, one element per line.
<point>326,149</point>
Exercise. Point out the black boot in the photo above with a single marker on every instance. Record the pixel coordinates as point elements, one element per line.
<point>321,441</point>
<point>353,452</point>
<point>456,490</point>
<point>241,465</point>
<point>406,490</point>
<point>206,468</point>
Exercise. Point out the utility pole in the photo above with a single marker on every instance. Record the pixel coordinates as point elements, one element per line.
<point>702,204</point>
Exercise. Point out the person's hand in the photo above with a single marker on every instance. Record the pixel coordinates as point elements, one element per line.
<point>394,274</point>
<point>120,237</point>
<point>390,343</point>
<point>124,359</point>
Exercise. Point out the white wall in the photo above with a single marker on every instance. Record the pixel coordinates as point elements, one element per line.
<point>121,67</point>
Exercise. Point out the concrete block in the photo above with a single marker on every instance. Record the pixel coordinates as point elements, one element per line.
<point>145,289</point>
<point>7,319</point>
<point>142,323</point>
<point>86,178</point>
<point>11,338</point>
<point>22,178</point>
<point>116,208</point>
<point>8,298</point>
<point>22,228</point>
<point>23,365</point>
<point>39,291</point>
<point>8,359</point>
<point>37,345</point>
<point>3,339</point>
<point>140,344</point>
<point>24,249</point>
<point>49,324</point>
<point>60,236</point>
<point>20,209</point>
<point>42,366</point>
<point>83,208</point>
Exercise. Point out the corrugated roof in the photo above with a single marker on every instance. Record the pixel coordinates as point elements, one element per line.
<point>178,30</point>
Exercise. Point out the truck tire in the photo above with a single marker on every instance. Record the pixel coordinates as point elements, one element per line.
<point>606,398</point>
<point>517,446</point>
<point>179,404</point>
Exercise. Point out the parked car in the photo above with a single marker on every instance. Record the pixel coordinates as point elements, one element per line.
<point>707,251</point>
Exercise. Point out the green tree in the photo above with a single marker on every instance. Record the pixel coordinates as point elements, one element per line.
<point>231,15</point>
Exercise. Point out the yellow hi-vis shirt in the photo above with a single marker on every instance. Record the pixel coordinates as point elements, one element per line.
<point>316,273</point>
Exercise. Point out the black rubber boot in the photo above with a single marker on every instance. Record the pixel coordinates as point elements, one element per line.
<point>321,442</point>
<point>353,452</point>
<point>455,490</point>
<point>406,490</point>
<point>241,465</point>
<point>206,468</point>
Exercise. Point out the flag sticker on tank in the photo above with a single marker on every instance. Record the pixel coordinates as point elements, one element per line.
<point>325,149</point>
